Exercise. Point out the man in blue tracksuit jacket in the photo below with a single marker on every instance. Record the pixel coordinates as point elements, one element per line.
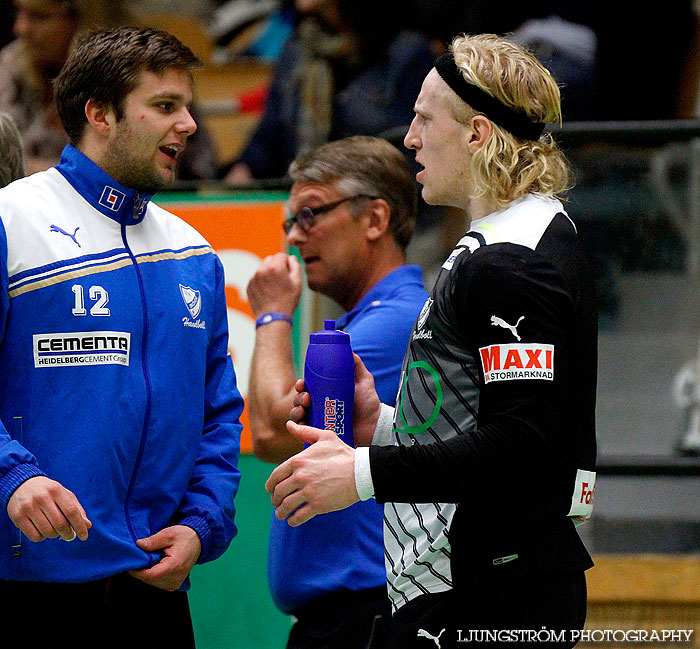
<point>119,413</point>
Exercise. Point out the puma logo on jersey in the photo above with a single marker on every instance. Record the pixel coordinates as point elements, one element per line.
<point>499,322</point>
<point>55,228</point>
<point>435,638</point>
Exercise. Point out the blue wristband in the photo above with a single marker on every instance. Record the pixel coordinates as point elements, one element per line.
<point>271,316</point>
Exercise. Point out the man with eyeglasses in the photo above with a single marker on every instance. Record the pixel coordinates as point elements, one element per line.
<point>352,213</point>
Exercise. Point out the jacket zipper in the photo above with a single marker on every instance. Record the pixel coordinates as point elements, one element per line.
<point>16,536</point>
<point>146,373</point>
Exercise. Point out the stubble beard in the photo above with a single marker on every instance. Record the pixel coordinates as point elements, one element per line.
<point>135,173</point>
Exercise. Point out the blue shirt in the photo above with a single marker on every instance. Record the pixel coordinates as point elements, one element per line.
<point>344,550</point>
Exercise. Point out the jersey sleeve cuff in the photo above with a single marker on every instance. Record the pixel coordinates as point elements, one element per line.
<point>363,474</point>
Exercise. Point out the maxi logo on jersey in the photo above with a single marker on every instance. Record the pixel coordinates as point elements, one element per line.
<point>517,361</point>
<point>82,348</point>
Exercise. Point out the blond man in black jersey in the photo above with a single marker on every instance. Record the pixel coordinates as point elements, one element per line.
<point>487,463</point>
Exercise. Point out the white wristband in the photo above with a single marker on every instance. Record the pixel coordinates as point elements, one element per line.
<point>382,433</point>
<point>363,474</point>
<point>382,437</point>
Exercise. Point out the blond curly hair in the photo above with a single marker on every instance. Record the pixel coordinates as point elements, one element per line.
<point>507,167</point>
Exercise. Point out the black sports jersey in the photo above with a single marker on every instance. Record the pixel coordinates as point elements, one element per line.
<point>495,420</point>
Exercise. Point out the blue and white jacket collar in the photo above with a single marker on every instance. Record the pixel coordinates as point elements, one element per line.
<point>105,194</point>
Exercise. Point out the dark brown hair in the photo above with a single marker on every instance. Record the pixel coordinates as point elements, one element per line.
<point>105,67</point>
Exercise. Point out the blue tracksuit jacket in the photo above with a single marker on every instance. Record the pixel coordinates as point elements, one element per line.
<point>115,378</point>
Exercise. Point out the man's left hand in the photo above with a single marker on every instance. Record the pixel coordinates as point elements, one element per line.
<point>181,548</point>
<point>318,480</point>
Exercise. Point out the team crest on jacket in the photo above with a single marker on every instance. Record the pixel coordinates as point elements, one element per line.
<point>192,299</point>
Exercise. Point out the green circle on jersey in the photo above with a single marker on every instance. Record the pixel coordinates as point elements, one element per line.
<point>417,430</point>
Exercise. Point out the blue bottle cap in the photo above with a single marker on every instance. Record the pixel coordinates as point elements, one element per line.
<point>329,335</point>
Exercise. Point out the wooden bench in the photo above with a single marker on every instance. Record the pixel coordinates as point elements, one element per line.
<point>645,592</point>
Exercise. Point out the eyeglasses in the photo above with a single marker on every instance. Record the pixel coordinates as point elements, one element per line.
<point>305,218</point>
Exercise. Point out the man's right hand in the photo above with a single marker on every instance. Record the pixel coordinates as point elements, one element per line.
<point>44,509</point>
<point>365,414</point>
<point>276,285</point>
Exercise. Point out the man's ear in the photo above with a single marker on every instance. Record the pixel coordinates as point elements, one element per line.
<point>99,118</point>
<point>379,217</point>
<point>480,131</point>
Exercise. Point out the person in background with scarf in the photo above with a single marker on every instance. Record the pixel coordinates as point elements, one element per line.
<point>44,31</point>
<point>340,74</point>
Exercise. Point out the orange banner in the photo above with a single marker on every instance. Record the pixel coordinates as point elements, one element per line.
<point>243,232</point>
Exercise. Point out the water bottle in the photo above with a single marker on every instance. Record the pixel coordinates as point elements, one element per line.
<point>329,377</point>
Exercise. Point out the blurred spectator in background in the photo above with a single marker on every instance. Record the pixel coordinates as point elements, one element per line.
<point>11,155</point>
<point>255,28</point>
<point>568,50</point>
<point>632,46</point>
<point>348,69</point>
<point>44,31</point>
